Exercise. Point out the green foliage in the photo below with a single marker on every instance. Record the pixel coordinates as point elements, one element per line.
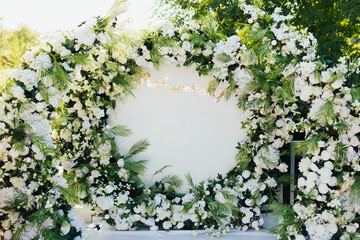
<point>326,113</point>
<point>354,196</point>
<point>285,215</point>
<point>58,75</point>
<point>136,167</point>
<point>121,130</point>
<point>334,23</point>
<point>308,145</point>
<point>138,147</point>
<point>173,180</point>
<point>69,194</point>
<point>13,44</point>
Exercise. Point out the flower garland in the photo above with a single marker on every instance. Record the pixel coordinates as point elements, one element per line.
<point>56,147</point>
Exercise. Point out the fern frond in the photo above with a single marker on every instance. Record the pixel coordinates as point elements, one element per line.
<point>190,180</point>
<point>69,194</point>
<point>326,113</point>
<point>121,130</point>
<point>136,167</point>
<point>354,197</point>
<point>173,180</point>
<point>138,147</point>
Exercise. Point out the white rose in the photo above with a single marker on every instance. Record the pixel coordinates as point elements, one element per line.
<point>17,92</point>
<point>332,181</point>
<point>312,176</point>
<point>122,198</point>
<point>301,182</point>
<point>120,162</point>
<point>7,234</point>
<point>329,165</point>
<point>105,203</point>
<point>65,134</point>
<point>325,175</point>
<point>65,228</point>
<point>351,229</point>
<point>304,164</point>
<point>180,225</point>
<point>354,141</point>
<point>337,84</point>
<point>246,174</point>
<point>17,182</point>
<point>323,188</point>
<point>325,155</point>
<point>109,189</point>
<point>167,225</point>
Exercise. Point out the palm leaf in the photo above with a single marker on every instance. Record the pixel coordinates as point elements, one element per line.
<point>138,147</point>
<point>136,167</point>
<point>173,180</point>
<point>354,197</point>
<point>121,130</point>
<point>190,180</point>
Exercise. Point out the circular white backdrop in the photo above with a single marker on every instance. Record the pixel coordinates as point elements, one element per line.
<point>186,129</point>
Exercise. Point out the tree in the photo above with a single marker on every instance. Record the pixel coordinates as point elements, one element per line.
<point>13,44</point>
<point>335,23</point>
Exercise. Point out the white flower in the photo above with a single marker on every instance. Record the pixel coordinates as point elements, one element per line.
<point>84,34</point>
<point>325,175</point>
<point>6,194</point>
<point>354,141</point>
<point>350,229</point>
<point>105,203</point>
<point>109,189</point>
<point>42,62</point>
<point>18,92</point>
<point>337,84</point>
<point>98,112</point>
<point>325,155</point>
<point>323,188</point>
<point>60,181</point>
<point>219,197</point>
<point>17,182</point>
<point>246,174</point>
<point>65,228</point>
<point>242,77</point>
<point>267,157</point>
<point>300,237</point>
<point>283,167</point>
<point>167,225</point>
<point>120,162</point>
<point>122,198</point>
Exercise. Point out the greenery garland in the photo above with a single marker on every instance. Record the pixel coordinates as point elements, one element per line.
<point>57,149</point>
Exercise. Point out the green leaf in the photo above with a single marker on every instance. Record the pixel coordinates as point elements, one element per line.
<point>354,197</point>
<point>136,167</point>
<point>173,180</point>
<point>190,180</point>
<point>161,169</point>
<point>69,194</point>
<point>138,147</point>
<point>326,113</point>
<point>121,130</point>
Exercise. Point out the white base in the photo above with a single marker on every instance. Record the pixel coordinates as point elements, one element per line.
<point>175,235</point>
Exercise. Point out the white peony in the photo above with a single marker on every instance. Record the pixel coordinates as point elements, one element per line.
<point>105,203</point>
<point>42,62</point>
<point>323,188</point>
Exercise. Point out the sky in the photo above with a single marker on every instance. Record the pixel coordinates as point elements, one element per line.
<point>46,16</point>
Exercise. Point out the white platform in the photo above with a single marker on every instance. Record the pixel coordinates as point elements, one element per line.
<point>175,235</point>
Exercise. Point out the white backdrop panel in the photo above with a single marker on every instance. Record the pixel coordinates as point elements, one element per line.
<point>187,130</point>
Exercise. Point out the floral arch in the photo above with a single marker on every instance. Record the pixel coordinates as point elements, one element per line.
<point>56,148</point>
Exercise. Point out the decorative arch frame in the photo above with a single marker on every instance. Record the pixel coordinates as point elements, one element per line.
<point>57,149</point>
